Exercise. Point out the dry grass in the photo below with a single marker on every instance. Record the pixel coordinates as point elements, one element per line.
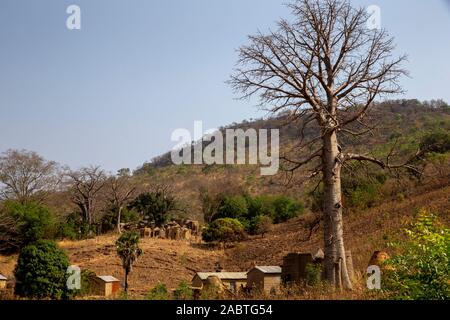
<point>164,261</point>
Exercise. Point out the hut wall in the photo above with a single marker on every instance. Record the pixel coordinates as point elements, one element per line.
<point>294,265</point>
<point>255,279</point>
<point>272,282</point>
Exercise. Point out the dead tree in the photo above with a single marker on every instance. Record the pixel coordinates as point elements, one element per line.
<point>85,186</point>
<point>327,68</point>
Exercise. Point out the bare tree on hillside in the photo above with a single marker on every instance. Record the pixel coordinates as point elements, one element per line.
<point>121,191</point>
<point>26,176</point>
<point>85,187</point>
<point>327,68</point>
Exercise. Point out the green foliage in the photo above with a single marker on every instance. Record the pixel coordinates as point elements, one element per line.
<point>183,292</point>
<point>73,228</point>
<point>210,204</point>
<point>250,210</point>
<point>158,293</point>
<point>34,222</point>
<point>182,169</point>
<point>233,207</point>
<point>313,273</point>
<point>360,188</point>
<point>123,296</point>
<point>128,249</point>
<point>210,292</point>
<point>285,208</point>
<point>224,230</point>
<point>87,277</point>
<point>146,169</point>
<point>157,204</point>
<point>422,270</point>
<point>67,231</point>
<point>437,141</point>
<point>278,208</point>
<point>41,271</point>
<point>109,221</point>
<point>260,225</point>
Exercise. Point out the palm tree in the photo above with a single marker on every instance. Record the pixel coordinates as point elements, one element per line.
<point>128,250</point>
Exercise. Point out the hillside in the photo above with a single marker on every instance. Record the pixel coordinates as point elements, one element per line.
<point>405,120</point>
<point>173,261</point>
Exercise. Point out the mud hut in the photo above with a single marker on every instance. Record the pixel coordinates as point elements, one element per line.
<point>264,278</point>
<point>294,266</point>
<point>231,280</point>
<point>105,286</point>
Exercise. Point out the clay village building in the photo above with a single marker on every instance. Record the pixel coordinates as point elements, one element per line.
<point>294,265</point>
<point>232,281</point>
<point>3,280</point>
<point>264,278</point>
<point>105,286</point>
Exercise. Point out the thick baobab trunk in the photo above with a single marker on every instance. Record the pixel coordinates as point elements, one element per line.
<point>335,259</point>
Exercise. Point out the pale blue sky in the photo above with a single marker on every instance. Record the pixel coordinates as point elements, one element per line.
<point>112,93</point>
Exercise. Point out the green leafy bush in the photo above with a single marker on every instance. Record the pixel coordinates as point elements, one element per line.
<point>183,292</point>
<point>437,141</point>
<point>87,278</point>
<point>422,270</point>
<point>73,228</point>
<point>313,274</point>
<point>260,225</point>
<point>279,208</point>
<point>41,271</point>
<point>158,293</point>
<point>285,208</point>
<point>233,207</point>
<point>156,204</point>
<point>248,210</point>
<point>224,230</point>
<point>34,222</point>
<point>362,189</point>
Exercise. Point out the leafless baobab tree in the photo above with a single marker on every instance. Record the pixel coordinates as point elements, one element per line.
<point>327,68</point>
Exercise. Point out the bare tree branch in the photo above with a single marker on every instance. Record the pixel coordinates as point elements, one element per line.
<point>85,186</point>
